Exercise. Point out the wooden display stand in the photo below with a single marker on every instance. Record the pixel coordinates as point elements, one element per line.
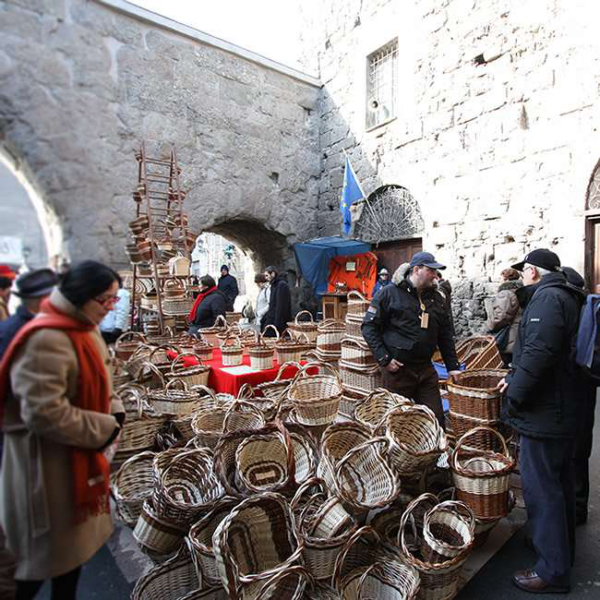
<point>335,305</point>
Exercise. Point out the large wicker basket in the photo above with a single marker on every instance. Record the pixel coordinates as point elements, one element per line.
<point>194,375</point>
<point>475,394</point>
<point>261,354</point>
<point>330,334</point>
<point>357,304</point>
<point>132,485</point>
<point>232,351</point>
<point>363,377</point>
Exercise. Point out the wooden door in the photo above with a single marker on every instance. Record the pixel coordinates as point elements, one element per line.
<point>592,253</point>
<point>392,254</point>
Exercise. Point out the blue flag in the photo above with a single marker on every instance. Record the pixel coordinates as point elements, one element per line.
<point>350,193</point>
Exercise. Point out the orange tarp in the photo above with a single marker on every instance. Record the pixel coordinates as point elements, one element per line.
<point>362,278</point>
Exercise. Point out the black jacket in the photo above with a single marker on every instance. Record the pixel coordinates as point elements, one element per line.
<point>229,287</point>
<point>210,308</point>
<point>10,327</point>
<point>280,305</point>
<point>541,399</point>
<point>392,327</point>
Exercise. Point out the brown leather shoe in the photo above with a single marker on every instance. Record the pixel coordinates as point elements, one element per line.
<point>530,581</point>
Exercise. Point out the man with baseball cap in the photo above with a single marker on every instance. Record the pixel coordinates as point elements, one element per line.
<point>7,277</point>
<point>32,287</point>
<point>403,326</point>
<point>541,404</point>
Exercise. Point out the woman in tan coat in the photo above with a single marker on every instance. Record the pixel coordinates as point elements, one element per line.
<point>59,415</point>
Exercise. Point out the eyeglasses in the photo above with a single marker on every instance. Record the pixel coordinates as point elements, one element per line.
<point>108,301</point>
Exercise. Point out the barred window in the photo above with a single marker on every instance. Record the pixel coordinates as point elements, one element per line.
<point>382,84</point>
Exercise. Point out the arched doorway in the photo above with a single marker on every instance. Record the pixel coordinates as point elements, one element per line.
<point>30,232</point>
<point>592,230</point>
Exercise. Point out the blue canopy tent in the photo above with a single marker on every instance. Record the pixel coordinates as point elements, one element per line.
<point>313,257</point>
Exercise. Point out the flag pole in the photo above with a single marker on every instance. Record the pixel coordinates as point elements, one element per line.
<point>363,192</point>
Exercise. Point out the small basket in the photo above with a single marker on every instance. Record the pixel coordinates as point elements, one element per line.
<point>210,333</point>
<point>173,289</point>
<point>132,485</point>
<point>127,344</point>
<point>315,398</point>
<point>261,354</point>
<point>195,375</point>
<point>357,304</point>
<point>353,330</point>
<point>256,542</point>
<point>232,352</point>
<point>357,353</point>
<point>309,327</point>
<point>371,411</point>
<point>292,348</point>
<point>474,394</point>
<point>203,349</point>
<point>276,388</point>
<point>156,535</point>
<point>482,479</point>
<point>174,402</point>
<point>361,377</point>
<point>351,398</point>
<point>416,439</point>
<point>142,423</point>
<point>330,334</point>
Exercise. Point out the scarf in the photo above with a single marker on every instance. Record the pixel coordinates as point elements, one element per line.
<point>90,468</point>
<point>198,302</point>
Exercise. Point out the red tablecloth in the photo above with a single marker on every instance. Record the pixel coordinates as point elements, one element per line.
<point>221,380</point>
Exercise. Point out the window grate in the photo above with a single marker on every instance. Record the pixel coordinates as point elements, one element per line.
<point>382,84</point>
<point>593,191</point>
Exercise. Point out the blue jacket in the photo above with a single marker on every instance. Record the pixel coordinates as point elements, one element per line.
<point>380,284</point>
<point>588,331</point>
<point>10,327</point>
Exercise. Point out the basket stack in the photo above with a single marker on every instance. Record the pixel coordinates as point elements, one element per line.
<point>329,341</point>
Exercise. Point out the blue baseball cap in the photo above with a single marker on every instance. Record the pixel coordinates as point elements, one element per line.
<point>426,259</point>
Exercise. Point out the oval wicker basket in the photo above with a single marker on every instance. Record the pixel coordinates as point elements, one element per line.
<point>194,375</point>
<point>474,394</point>
<point>132,485</point>
<point>127,344</point>
<point>372,411</point>
<point>232,352</point>
<point>309,327</point>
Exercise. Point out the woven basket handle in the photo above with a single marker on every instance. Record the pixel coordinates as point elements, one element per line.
<point>321,366</point>
<point>137,392</point>
<point>408,514</point>
<point>303,312</point>
<point>229,337</point>
<point>221,319</point>
<point>341,557</point>
<point>462,510</point>
<point>182,355</point>
<point>454,458</point>
<point>162,347</point>
<point>237,406</point>
<point>246,392</point>
<point>262,335</point>
<point>148,365</point>
<point>203,388</point>
<point>355,294</point>
<point>176,382</point>
<point>132,335</point>
<point>143,347</point>
<point>284,366</point>
<point>307,485</point>
<point>270,587</point>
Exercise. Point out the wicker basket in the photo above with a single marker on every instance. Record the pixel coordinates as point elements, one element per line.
<point>330,334</point>
<point>416,439</point>
<point>203,349</point>
<point>292,348</point>
<point>315,398</point>
<point>156,535</point>
<point>210,333</point>
<point>141,424</point>
<point>353,324</point>
<point>172,401</point>
<point>357,304</point>
<point>195,375</point>
<point>372,411</point>
<point>357,353</point>
<point>261,354</point>
<point>439,580</point>
<point>233,317</point>
<point>254,543</point>
<point>361,377</point>
<point>127,344</point>
<point>363,478</point>
<point>483,439</point>
<point>132,485</point>
<point>482,479</point>
<point>232,352</point>
<point>474,394</point>
<point>276,388</point>
<point>309,327</point>
<point>351,398</point>
<point>188,486</point>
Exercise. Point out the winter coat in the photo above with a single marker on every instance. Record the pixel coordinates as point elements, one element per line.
<point>229,287</point>
<point>41,426</point>
<point>212,305</point>
<point>504,311</point>
<point>280,305</point>
<point>262,303</point>
<point>380,284</point>
<point>541,399</point>
<point>10,327</point>
<point>392,325</point>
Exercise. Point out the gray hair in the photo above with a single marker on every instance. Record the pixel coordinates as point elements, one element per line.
<point>541,271</point>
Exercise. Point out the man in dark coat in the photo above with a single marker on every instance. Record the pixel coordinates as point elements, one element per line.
<point>208,305</point>
<point>228,286</point>
<point>32,288</point>
<point>280,302</point>
<point>405,323</point>
<point>541,404</point>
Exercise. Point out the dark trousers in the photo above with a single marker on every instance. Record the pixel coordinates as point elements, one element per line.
<point>549,494</point>
<point>583,450</point>
<point>64,587</point>
<point>419,383</point>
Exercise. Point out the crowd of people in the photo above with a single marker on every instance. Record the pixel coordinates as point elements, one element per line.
<point>59,416</point>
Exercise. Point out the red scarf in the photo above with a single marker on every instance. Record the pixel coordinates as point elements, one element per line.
<point>90,469</point>
<point>198,301</point>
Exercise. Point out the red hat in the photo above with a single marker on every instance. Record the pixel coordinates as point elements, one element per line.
<point>6,271</point>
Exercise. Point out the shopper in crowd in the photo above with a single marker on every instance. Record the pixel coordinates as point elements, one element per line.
<point>117,321</point>
<point>228,286</point>
<point>504,313</point>
<point>403,326</point>
<point>586,410</point>
<point>262,300</point>
<point>444,288</point>
<point>6,280</point>
<point>540,405</point>
<point>280,303</point>
<point>382,280</point>
<point>58,415</point>
<point>209,304</point>
<point>32,287</point>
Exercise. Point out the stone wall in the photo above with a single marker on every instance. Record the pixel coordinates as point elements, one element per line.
<point>498,154</point>
<point>82,84</point>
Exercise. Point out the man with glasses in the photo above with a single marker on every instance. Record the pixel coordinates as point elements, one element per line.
<point>541,404</point>
<point>403,326</point>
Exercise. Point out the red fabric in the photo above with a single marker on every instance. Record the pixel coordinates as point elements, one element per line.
<point>362,279</point>
<point>90,469</point>
<point>223,382</point>
<point>198,301</point>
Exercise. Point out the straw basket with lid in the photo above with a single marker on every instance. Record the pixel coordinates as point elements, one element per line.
<point>310,328</point>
